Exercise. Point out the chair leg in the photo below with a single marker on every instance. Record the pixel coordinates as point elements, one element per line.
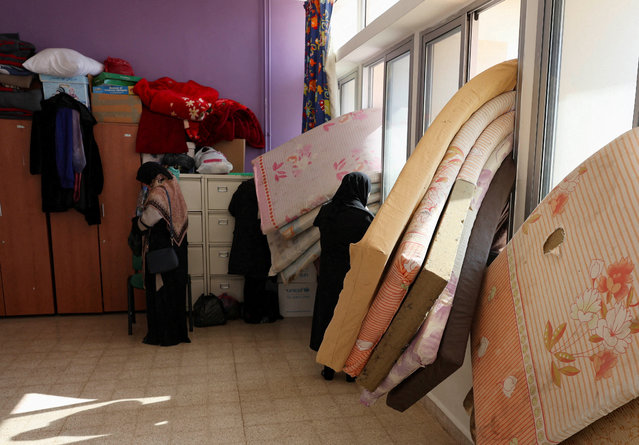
<point>190,302</point>
<point>130,305</point>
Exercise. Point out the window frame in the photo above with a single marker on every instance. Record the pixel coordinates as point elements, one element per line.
<point>366,76</point>
<point>352,76</point>
<point>394,51</point>
<point>431,36</point>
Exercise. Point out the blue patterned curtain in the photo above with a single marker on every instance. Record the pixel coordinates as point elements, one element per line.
<point>317,108</point>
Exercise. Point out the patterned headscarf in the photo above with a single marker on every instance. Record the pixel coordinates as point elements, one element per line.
<point>162,188</point>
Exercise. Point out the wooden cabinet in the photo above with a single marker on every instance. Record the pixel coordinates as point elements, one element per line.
<point>25,269</point>
<point>76,263</point>
<point>91,263</point>
<point>210,233</point>
<point>120,164</point>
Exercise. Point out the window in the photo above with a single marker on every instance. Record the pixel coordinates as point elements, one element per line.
<point>494,35</point>
<point>344,22</point>
<point>451,54</point>
<point>348,94</point>
<point>395,147</point>
<point>373,85</point>
<point>351,16</point>
<point>442,61</point>
<point>592,82</point>
<point>375,8</point>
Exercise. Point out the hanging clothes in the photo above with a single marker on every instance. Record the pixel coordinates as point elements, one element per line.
<point>59,190</point>
<point>317,108</point>
<point>250,256</point>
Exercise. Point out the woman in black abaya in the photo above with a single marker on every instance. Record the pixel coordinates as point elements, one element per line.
<point>341,221</point>
<point>164,223</point>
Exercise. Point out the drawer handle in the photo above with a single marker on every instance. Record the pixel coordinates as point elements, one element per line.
<point>223,254</point>
<point>223,222</point>
<point>225,286</point>
<point>222,189</point>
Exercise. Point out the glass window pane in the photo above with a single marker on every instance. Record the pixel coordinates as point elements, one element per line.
<point>396,118</point>
<point>375,8</point>
<point>347,97</point>
<point>443,59</point>
<point>494,36</point>
<point>373,86</point>
<point>344,23</point>
<point>597,81</point>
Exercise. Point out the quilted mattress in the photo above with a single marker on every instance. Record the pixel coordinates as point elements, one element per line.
<point>555,345</point>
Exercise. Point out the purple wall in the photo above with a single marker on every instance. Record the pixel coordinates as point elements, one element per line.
<point>216,43</point>
<point>287,69</point>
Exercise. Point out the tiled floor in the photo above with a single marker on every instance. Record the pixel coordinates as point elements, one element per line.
<point>81,379</point>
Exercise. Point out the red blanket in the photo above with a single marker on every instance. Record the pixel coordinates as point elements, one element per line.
<point>158,133</point>
<point>188,100</point>
<point>228,120</point>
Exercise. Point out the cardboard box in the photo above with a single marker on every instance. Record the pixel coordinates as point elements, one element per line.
<point>76,87</point>
<point>306,275</point>
<point>234,152</point>
<point>296,299</point>
<point>119,108</point>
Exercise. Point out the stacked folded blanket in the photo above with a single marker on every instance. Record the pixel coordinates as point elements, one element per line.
<point>20,96</point>
<point>175,112</point>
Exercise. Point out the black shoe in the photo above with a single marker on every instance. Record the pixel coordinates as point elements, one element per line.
<point>328,373</point>
<point>350,379</point>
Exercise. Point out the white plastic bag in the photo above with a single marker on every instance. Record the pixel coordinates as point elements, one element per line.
<point>210,161</point>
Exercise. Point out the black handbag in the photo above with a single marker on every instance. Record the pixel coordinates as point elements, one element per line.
<point>164,259</point>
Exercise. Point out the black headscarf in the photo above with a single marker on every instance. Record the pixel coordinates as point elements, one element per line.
<point>149,170</point>
<point>352,192</point>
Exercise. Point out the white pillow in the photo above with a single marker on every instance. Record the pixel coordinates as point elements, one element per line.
<point>63,62</point>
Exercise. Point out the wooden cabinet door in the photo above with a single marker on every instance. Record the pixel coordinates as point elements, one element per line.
<point>76,263</point>
<point>24,245</point>
<point>2,311</point>
<point>120,164</point>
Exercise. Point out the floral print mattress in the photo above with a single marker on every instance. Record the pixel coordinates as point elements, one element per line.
<point>555,344</point>
<point>305,172</point>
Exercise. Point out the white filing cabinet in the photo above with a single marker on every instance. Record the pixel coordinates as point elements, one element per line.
<point>210,233</point>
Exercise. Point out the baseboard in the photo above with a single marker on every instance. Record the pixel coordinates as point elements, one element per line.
<point>460,437</point>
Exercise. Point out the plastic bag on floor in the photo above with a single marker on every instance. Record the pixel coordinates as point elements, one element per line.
<point>208,310</point>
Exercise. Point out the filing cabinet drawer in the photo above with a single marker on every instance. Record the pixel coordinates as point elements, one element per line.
<point>232,285</point>
<point>219,260</point>
<point>221,227</point>
<point>196,260</point>
<point>195,228</point>
<point>197,288</point>
<point>220,193</point>
<point>192,191</point>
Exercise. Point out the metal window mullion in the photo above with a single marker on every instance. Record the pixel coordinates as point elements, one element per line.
<point>552,98</point>
<point>635,120</point>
